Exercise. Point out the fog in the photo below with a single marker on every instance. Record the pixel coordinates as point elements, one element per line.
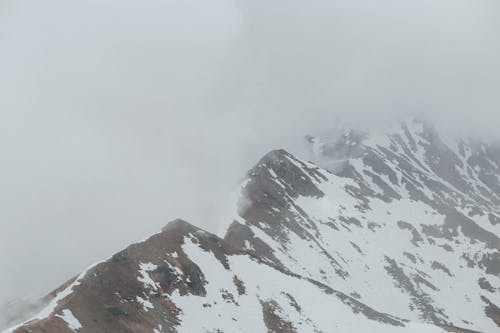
<point>118,116</point>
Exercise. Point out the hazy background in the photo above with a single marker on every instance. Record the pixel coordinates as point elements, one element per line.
<point>118,116</point>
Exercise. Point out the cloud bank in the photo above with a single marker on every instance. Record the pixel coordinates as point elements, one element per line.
<point>118,116</point>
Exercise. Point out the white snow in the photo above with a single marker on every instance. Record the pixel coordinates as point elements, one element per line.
<point>263,284</point>
<point>70,319</point>
<point>145,303</point>
<point>144,269</point>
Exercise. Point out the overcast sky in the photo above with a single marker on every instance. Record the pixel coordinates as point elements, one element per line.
<point>117,116</point>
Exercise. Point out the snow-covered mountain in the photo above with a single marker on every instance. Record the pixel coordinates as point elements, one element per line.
<point>381,232</point>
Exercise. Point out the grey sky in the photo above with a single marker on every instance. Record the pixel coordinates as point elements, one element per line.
<point>117,116</point>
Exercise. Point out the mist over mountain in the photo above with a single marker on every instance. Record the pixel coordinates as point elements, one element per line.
<point>118,116</point>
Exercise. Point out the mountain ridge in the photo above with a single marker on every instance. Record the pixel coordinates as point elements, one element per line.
<point>383,216</point>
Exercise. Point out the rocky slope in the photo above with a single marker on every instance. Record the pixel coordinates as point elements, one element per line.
<point>391,232</point>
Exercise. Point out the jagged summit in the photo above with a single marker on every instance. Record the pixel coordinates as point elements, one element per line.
<point>413,159</point>
<point>386,232</point>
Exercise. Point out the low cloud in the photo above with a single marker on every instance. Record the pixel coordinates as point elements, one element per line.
<point>118,116</point>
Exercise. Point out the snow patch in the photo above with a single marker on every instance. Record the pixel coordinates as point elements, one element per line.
<point>145,303</point>
<point>144,269</point>
<point>70,319</point>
